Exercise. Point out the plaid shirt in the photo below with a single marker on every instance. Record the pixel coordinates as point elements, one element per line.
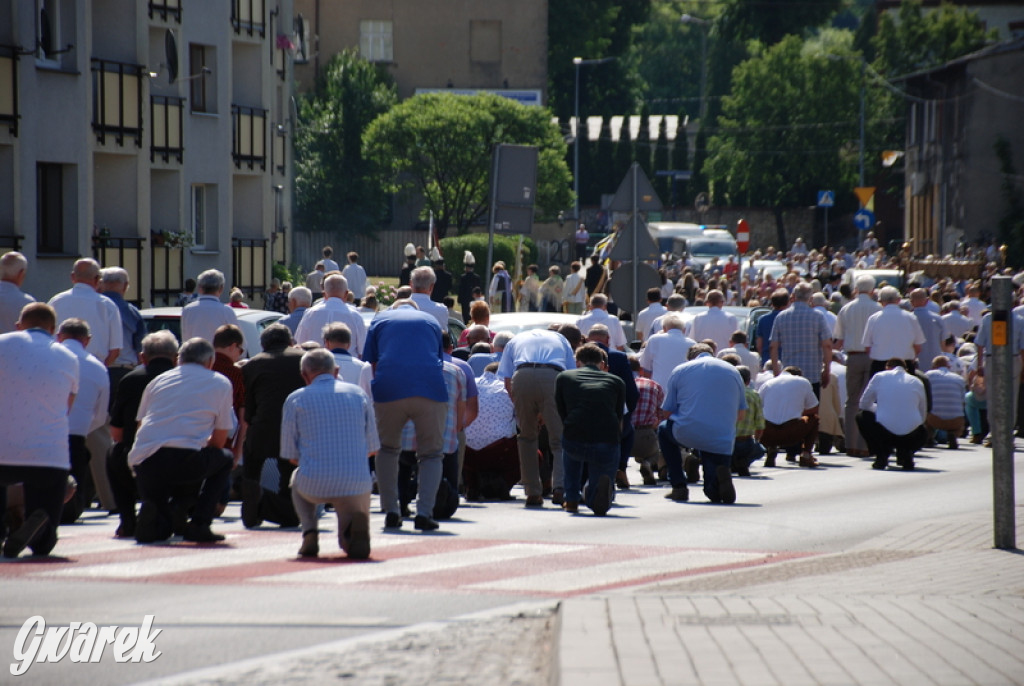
<point>800,331</point>
<point>652,395</point>
<point>455,381</point>
<point>753,420</point>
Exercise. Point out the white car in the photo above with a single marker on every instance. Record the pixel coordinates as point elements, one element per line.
<point>251,322</point>
<point>517,322</point>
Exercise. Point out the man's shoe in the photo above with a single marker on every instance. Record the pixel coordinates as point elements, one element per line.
<point>953,444</point>
<point>200,534</point>
<point>357,535</point>
<point>769,459</point>
<point>571,507</point>
<point>647,474</point>
<point>680,494</point>
<point>790,457</point>
<point>880,464</point>
<point>557,496</point>
<point>621,480</point>
<point>726,490</point>
<point>425,523</point>
<point>310,544</point>
<point>976,439</point>
<point>602,499</point>
<point>808,460</point>
<point>148,527</point>
<point>26,533</point>
<point>691,466</point>
<point>180,513</point>
<point>535,501</point>
<point>392,520</point>
<point>126,529</point>
<point>251,494</point>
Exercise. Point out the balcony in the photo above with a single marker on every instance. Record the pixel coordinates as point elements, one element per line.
<point>247,16</point>
<point>11,242</point>
<point>125,252</point>
<point>9,87</point>
<point>117,101</point>
<point>166,115</point>
<point>165,9</point>
<point>249,265</point>
<point>168,269</point>
<point>249,135</point>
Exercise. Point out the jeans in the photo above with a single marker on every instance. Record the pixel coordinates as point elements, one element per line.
<point>974,407</point>
<point>710,462</point>
<point>600,458</point>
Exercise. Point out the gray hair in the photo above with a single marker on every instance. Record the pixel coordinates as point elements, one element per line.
<point>196,351</point>
<point>501,340</point>
<point>818,300</point>
<point>864,283</point>
<point>599,300</point>
<point>317,362</point>
<point>210,282</point>
<point>12,264</point>
<point>888,294</point>
<point>114,275</point>
<point>335,286</point>
<point>600,331</point>
<point>672,321</point>
<point>422,279</point>
<point>802,292</point>
<point>675,302</point>
<point>160,344</point>
<point>338,332</point>
<point>75,329</point>
<point>302,296</point>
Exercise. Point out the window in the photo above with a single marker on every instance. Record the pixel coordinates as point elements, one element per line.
<point>247,16</point>
<point>375,42</point>
<point>54,31</point>
<point>199,215</point>
<point>50,207</point>
<point>201,82</point>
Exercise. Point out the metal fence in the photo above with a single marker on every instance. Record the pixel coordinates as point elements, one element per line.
<point>380,255</point>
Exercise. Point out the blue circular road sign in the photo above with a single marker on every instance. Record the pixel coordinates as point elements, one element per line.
<point>864,220</point>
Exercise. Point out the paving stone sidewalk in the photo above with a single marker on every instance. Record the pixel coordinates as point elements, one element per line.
<point>929,603</point>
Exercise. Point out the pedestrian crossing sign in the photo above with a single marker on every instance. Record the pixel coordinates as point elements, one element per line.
<point>826,198</point>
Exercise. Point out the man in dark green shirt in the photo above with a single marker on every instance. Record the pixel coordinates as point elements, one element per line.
<point>591,403</point>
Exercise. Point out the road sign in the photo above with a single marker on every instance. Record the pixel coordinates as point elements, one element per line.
<point>646,199</point>
<point>742,236</point>
<point>864,220</point>
<point>864,194</point>
<point>826,198</point>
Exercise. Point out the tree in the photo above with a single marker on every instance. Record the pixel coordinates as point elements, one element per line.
<point>440,145</point>
<point>681,162</point>
<point>667,53</point>
<point>604,159</point>
<point>642,148</point>
<point>334,189</point>
<point>662,184</point>
<point>623,154</point>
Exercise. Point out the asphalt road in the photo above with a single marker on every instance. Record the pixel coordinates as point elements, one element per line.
<point>251,597</point>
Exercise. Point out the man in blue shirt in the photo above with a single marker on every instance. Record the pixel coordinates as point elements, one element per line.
<point>404,346</point>
<point>705,399</point>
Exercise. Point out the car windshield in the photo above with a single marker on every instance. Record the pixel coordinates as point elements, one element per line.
<point>712,248</point>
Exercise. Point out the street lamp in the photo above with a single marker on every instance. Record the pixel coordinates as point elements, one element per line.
<point>705,26</point>
<point>579,61</point>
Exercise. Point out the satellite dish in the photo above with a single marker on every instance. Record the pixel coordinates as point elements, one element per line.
<point>171,55</point>
<point>45,32</point>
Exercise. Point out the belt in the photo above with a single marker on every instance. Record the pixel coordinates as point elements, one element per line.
<point>122,366</point>
<point>856,352</point>
<point>539,365</point>
<point>744,438</point>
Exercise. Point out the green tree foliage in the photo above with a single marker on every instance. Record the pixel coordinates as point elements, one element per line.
<point>455,247</point>
<point>769,21</point>
<point>681,162</point>
<point>667,53</point>
<point>662,184</point>
<point>592,29</point>
<point>623,155</point>
<point>440,145</point>
<point>643,150</point>
<point>1011,225</point>
<point>604,159</point>
<point>334,189</point>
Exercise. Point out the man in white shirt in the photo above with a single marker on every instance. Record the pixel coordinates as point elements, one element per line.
<point>185,418</point>
<point>202,318</point>
<point>356,276</point>
<point>88,413</point>
<point>893,410</point>
<point>849,335</point>
<point>738,346</point>
<point>666,350</point>
<point>332,308</point>
<point>13,268</point>
<point>338,339</point>
<point>422,282</point>
<point>674,304</point>
<point>39,378</point>
<point>574,293</point>
<point>329,264</point>
<point>715,324</point>
<point>647,315</point>
<point>84,302</point>
<point>892,332</point>
<point>820,304</point>
<point>954,320</point>
<point>974,306</point>
<point>790,417</point>
<point>599,315</point>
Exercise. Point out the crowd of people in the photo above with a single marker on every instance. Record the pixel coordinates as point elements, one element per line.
<point>165,433</point>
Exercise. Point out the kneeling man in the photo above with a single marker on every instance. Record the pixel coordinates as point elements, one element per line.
<point>892,414</point>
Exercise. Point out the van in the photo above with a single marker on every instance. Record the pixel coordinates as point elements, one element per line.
<point>699,251</point>
<point>664,233</point>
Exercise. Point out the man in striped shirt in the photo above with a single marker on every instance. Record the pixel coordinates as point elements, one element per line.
<point>948,391</point>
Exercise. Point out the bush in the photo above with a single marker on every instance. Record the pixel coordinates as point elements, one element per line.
<point>291,273</point>
<point>455,247</point>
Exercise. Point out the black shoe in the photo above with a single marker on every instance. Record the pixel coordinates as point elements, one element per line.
<point>769,460</point>
<point>880,463</point>
<point>691,466</point>
<point>557,496</point>
<point>180,513</point>
<point>621,480</point>
<point>26,533</point>
<point>425,523</point>
<point>647,474</point>
<point>953,444</point>
<point>602,499</point>
<point>725,488</point>
<point>357,535</point>
<point>200,534</point>
<point>148,526</point>
<point>534,501</point>
<point>310,544</point>
<point>126,529</point>
<point>680,494</point>
<point>251,494</point>
<point>392,520</point>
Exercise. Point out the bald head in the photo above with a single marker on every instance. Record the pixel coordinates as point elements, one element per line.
<point>335,286</point>
<point>86,271</point>
<point>13,267</point>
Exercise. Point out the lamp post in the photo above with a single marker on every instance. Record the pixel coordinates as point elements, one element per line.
<point>705,27</point>
<point>579,61</point>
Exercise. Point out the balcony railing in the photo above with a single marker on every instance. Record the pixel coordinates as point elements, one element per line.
<point>248,16</point>
<point>10,242</point>
<point>278,149</point>
<point>249,265</point>
<point>117,101</point>
<point>249,135</point>
<point>165,8</point>
<point>124,252</point>
<point>168,264</point>
<point>166,115</point>
<point>9,87</point>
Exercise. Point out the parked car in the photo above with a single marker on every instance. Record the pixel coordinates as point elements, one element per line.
<point>517,322</point>
<point>251,322</point>
<point>891,277</point>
